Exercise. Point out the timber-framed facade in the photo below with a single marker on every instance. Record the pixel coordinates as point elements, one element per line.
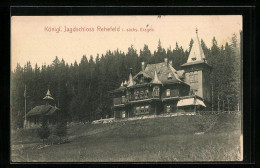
<point>159,88</point>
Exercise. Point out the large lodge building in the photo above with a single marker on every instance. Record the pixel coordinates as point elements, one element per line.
<point>159,88</point>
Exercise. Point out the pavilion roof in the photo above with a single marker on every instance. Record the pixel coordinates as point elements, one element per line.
<point>42,110</point>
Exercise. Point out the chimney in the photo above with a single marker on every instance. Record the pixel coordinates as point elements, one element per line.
<point>170,62</point>
<point>169,76</point>
<point>143,66</point>
<point>166,61</point>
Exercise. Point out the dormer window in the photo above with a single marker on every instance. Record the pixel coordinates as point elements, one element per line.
<point>193,59</point>
<point>156,91</point>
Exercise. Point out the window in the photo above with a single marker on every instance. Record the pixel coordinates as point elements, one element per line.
<point>194,77</point>
<point>142,109</point>
<point>127,94</point>
<point>168,109</point>
<point>191,77</point>
<point>136,94</point>
<point>146,108</point>
<point>141,94</point>
<point>137,109</point>
<point>193,59</point>
<point>123,99</point>
<point>123,114</point>
<point>168,92</point>
<point>146,93</point>
<point>156,91</point>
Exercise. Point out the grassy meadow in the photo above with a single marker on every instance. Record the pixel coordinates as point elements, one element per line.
<point>171,139</point>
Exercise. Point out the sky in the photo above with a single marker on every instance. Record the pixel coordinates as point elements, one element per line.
<point>39,39</point>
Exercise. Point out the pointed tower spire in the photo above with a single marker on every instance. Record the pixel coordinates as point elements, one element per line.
<point>156,79</point>
<point>197,70</point>
<point>196,53</point>
<point>130,80</point>
<point>122,84</point>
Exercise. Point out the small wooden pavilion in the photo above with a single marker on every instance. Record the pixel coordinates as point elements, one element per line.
<point>46,111</point>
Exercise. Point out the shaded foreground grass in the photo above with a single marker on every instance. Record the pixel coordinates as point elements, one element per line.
<point>159,139</point>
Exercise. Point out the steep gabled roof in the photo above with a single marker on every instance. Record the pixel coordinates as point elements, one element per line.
<point>158,73</point>
<point>163,71</point>
<point>144,74</point>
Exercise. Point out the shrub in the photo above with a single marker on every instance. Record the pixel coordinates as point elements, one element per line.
<point>44,131</point>
<point>61,129</point>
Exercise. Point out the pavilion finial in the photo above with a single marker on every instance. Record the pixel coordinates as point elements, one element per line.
<point>48,96</point>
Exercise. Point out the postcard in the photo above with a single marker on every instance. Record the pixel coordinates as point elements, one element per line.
<point>150,88</point>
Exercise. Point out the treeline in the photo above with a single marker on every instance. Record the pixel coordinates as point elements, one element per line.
<point>81,89</point>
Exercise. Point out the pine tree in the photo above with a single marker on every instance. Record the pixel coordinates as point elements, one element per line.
<point>145,54</point>
<point>81,89</point>
<point>160,53</point>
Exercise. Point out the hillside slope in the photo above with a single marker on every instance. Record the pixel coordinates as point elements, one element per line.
<point>158,139</point>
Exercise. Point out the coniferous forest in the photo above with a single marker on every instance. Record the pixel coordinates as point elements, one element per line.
<point>81,89</point>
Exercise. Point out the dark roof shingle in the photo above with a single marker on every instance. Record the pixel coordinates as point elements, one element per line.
<point>163,71</point>
<point>42,110</point>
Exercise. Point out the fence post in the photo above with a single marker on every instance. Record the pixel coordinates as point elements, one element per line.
<point>228,103</point>
<point>212,98</point>
<point>223,105</point>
